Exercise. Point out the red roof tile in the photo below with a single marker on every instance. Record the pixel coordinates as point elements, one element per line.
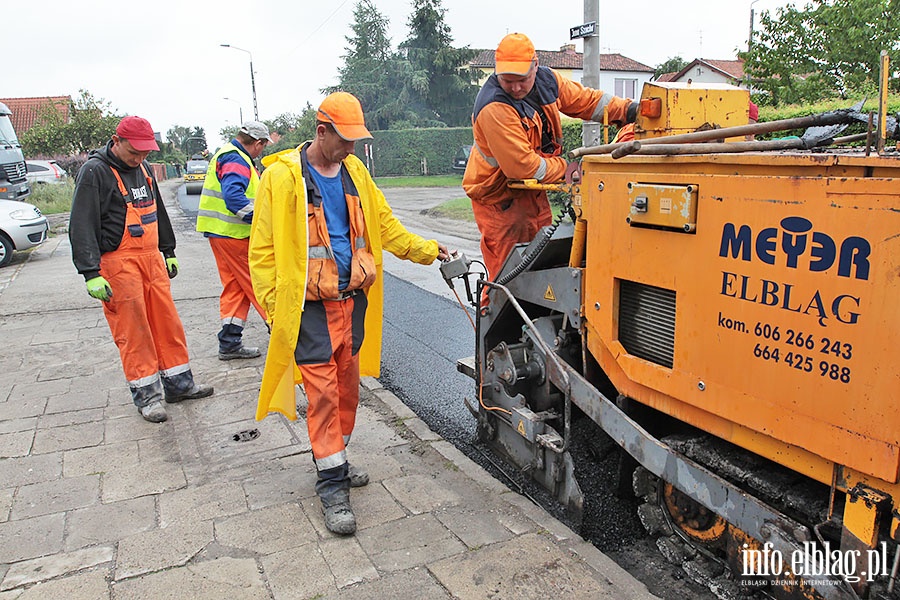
<point>25,111</point>
<point>566,59</point>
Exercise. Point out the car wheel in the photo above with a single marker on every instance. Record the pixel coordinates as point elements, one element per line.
<point>6,250</point>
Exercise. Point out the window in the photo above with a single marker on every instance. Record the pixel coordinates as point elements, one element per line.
<point>625,88</point>
<point>31,168</point>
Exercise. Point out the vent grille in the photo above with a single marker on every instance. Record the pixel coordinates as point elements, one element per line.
<point>15,172</point>
<point>647,322</point>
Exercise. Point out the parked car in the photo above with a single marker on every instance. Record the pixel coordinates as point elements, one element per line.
<point>44,171</point>
<point>461,158</point>
<point>22,226</point>
<point>194,175</point>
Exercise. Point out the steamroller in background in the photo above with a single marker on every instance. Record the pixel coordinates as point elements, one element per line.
<point>728,312</point>
<point>195,174</point>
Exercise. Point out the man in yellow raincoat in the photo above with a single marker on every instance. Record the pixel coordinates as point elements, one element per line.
<point>320,226</point>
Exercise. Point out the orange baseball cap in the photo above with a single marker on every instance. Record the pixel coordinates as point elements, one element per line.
<point>345,112</point>
<point>514,55</point>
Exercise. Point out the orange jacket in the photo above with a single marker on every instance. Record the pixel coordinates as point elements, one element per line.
<point>508,132</point>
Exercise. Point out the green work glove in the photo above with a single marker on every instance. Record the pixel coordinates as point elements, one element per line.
<point>172,267</point>
<point>99,288</point>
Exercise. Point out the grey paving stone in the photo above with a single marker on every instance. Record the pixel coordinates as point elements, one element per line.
<point>73,402</point>
<point>69,437</point>
<point>415,583</point>
<point>267,530</point>
<point>14,425</point>
<point>70,417</point>
<point>100,459</point>
<point>91,585</point>
<point>151,551</point>
<point>15,444</point>
<point>24,390</point>
<point>22,407</point>
<point>348,563</point>
<point>474,525</point>
<point>392,546</point>
<point>212,580</point>
<point>6,498</point>
<point>201,503</point>
<point>275,487</point>
<point>421,430</point>
<point>50,567</point>
<point>56,496</point>
<point>30,538</point>
<point>299,573</point>
<point>530,566</point>
<point>109,522</point>
<point>537,514</point>
<point>469,467</point>
<point>30,469</point>
<point>216,443</point>
<point>135,428</point>
<point>421,493</point>
<point>145,478</point>
<point>394,404</point>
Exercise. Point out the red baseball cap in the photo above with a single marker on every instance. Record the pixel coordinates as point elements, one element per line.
<point>345,113</point>
<point>138,133</point>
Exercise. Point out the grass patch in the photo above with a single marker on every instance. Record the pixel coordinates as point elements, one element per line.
<point>419,181</point>
<point>52,199</point>
<point>458,209</point>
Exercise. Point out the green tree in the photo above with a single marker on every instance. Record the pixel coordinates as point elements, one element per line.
<point>372,72</point>
<point>47,136</point>
<point>92,123</point>
<point>442,83</point>
<point>293,129</point>
<point>829,48</point>
<point>672,65</point>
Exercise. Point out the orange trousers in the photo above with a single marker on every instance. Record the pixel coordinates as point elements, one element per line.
<point>142,317</point>
<point>234,272</point>
<point>328,358</point>
<point>506,224</point>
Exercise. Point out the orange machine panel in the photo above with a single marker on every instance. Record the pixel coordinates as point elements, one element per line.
<point>775,320</point>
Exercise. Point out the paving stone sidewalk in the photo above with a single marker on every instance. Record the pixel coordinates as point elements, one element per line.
<point>96,503</point>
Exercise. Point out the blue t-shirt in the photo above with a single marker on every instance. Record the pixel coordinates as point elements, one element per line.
<point>337,219</point>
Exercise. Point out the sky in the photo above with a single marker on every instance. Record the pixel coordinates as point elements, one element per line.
<point>163,59</point>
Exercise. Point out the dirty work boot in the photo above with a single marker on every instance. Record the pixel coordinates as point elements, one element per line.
<point>154,412</point>
<point>339,517</point>
<point>358,476</point>
<point>242,352</point>
<point>198,391</point>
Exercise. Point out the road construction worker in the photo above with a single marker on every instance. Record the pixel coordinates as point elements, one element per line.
<point>224,217</point>
<point>326,263</point>
<point>117,228</point>
<point>518,135</point>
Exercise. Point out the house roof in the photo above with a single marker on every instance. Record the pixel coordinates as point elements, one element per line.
<point>566,58</point>
<point>25,111</point>
<point>728,68</point>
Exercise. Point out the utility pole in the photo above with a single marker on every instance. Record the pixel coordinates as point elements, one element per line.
<point>591,131</point>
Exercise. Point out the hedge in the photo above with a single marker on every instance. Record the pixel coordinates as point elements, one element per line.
<point>413,151</point>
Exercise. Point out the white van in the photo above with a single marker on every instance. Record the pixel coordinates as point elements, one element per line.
<point>13,184</point>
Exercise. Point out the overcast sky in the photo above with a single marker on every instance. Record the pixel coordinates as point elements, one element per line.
<point>162,59</point>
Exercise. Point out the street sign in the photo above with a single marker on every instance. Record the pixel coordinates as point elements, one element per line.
<point>588,29</point>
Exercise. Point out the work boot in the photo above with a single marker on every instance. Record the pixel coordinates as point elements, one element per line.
<point>154,412</point>
<point>339,517</point>
<point>198,391</point>
<point>358,476</point>
<point>242,352</point>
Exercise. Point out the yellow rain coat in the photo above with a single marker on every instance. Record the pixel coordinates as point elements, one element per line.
<point>278,264</point>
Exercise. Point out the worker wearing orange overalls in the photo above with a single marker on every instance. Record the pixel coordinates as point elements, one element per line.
<point>325,264</point>
<point>224,217</point>
<point>118,227</point>
<point>518,135</point>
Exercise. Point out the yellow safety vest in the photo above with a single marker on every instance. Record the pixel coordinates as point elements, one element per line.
<point>213,215</point>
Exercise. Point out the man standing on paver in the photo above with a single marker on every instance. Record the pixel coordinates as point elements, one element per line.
<point>224,217</point>
<point>326,263</point>
<point>118,227</point>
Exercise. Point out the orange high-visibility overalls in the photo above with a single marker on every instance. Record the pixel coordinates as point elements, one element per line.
<point>141,313</point>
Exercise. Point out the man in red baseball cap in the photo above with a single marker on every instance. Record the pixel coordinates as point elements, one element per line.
<point>118,227</point>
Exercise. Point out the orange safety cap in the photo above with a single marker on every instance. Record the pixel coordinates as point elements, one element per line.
<point>515,55</point>
<point>345,112</point>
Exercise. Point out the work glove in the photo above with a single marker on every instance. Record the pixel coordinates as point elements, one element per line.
<point>172,267</point>
<point>631,114</point>
<point>99,288</point>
